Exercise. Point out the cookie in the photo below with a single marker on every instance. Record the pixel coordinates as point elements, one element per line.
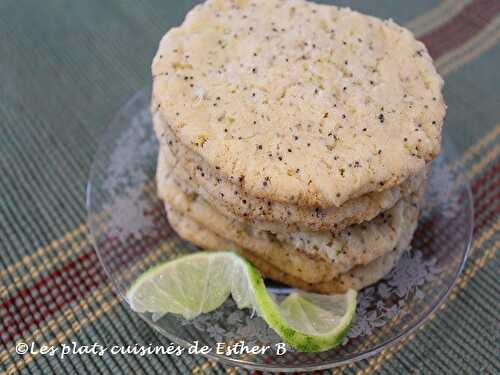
<point>358,278</point>
<point>307,104</point>
<point>311,256</point>
<point>192,173</point>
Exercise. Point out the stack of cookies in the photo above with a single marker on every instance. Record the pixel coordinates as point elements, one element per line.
<point>296,134</point>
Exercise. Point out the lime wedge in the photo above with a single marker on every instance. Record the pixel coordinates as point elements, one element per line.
<point>201,282</point>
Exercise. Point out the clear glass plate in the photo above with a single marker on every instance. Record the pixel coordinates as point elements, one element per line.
<point>131,234</point>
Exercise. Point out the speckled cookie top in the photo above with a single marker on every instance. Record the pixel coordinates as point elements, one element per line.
<point>299,102</point>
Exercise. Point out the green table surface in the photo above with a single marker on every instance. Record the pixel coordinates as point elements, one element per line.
<point>67,66</point>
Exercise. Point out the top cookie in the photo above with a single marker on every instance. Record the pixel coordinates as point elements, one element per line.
<point>299,102</point>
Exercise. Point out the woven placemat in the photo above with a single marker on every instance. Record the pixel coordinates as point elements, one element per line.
<point>67,66</point>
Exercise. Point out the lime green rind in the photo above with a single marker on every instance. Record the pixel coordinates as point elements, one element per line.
<point>271,314</point>
<point>256,296</point>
